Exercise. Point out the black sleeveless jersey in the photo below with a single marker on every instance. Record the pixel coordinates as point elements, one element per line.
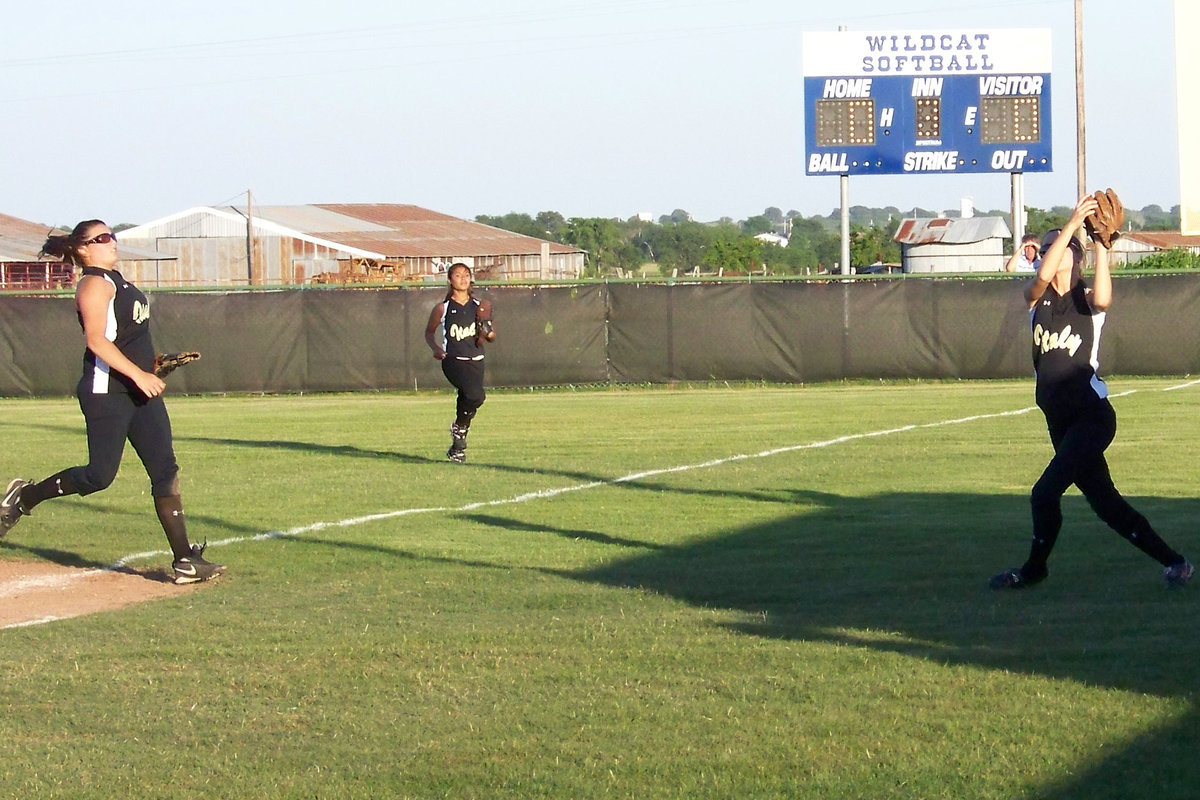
<point>458,330</point>
<point>1066,346</point>
<point>128,327</point>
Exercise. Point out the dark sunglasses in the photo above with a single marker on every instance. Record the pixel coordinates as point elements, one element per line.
<point>101,238</point>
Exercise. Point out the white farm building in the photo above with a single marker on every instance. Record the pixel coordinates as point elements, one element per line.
<point>974,244</point>
<point>334,243</point>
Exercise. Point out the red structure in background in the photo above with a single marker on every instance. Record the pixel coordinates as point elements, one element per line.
<point>36,275</point>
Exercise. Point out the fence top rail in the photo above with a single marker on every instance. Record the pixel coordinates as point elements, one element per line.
<point>652,280</point>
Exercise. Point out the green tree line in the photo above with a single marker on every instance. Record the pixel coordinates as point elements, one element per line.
<point>678,243</point>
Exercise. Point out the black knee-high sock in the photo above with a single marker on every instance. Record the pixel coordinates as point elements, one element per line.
<point>170,515</point>
<point>56,485</point>
<point>1144,538</point>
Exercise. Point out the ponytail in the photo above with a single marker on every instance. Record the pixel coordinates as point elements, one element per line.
<point>64,246</point>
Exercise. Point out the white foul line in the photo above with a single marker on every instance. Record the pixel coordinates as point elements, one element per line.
<point>545,494</point>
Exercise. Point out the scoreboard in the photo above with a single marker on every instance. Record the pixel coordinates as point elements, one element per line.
<point>908,102</point>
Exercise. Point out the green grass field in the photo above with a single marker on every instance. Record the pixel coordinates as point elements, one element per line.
<point>687,592</point>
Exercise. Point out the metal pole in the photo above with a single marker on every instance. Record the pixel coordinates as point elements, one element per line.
<point>1018,209</point>
<point>1080,127</point>
<point>845,224</point>
<point>845,214</point>
<point>249,240</point>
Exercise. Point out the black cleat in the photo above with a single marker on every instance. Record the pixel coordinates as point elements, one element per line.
<point>11,509</point>
<point>1177,575</point>
<point>1015,578</point>
<point>194,569</point>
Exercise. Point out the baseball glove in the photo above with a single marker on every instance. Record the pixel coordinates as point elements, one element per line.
<point>1104,225</point>
<point>166,363</point>
<point>483,323</point>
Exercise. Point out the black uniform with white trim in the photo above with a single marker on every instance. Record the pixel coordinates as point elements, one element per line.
<point>1066,345</point>
<point>114,407</point>
<point>1082,423</point>
<point>463,364</point>
<point>128,327</point>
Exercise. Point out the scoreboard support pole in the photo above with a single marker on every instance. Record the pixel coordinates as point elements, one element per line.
<point>1018,209</point>
<point>845,224</point>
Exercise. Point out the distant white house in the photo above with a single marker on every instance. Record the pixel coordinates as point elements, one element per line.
<point>975,244</point>
<point>772,238</point>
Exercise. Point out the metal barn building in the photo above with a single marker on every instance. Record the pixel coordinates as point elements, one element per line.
<point>1133,246</point>
<point>336,243</point>
<point>22,267</point>
<point>974,244</point>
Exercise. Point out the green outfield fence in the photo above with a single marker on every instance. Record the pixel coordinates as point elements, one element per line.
<point>323,340</point>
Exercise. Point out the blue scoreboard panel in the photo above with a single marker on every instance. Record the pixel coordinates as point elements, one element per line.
<point>911,102</point>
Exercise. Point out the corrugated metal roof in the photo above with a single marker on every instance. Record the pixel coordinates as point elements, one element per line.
<point>314,219</point>
<point>1163,240</point>
<point>14,226</point>
<point>389,215</point>
<point>404,231</point>
<point>951,231</point>
<point>21,240</point>
<point>369,230</point>
<point>426,243</point>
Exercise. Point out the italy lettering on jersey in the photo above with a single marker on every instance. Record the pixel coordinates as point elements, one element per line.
<point>1066,345</point>
<point>1061,340</point>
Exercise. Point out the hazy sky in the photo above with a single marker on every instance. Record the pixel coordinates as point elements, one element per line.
<point>135,109</point>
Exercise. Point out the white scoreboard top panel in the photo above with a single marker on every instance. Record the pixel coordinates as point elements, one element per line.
<point>944,101</point>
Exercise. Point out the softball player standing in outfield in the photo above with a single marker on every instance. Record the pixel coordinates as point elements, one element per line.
<point>120,396</point>
<point>1066,317</point>
<point>458,327</point>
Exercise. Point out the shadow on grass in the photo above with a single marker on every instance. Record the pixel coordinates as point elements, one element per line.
<point>567,533</point>
<point>645,484</point>
<point>908,574</point>
<point>785,495</point>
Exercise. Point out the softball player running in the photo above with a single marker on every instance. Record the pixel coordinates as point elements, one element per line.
<point>458,327</point>
<point>120,396</point>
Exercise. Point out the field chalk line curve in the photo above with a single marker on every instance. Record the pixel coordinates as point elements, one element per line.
<point>11,588</point>
<point>545,494</point>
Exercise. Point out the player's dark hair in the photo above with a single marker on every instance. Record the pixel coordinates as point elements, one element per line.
<point>470,289</point>
<point>1073,246</point>
<point>64,246</point>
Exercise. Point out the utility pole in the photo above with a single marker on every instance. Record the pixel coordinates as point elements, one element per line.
<point>1080,126</point>
<point>845,195</point>
<point>249,239</point>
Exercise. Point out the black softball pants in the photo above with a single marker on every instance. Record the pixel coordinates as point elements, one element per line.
<point>113,418</point>
<point>467,377</point>
<point>1079,446</point>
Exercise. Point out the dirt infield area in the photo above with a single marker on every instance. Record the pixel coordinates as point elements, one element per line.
<point>32,593</point>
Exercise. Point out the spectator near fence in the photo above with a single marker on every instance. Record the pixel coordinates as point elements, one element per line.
<point>1025,258</point>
